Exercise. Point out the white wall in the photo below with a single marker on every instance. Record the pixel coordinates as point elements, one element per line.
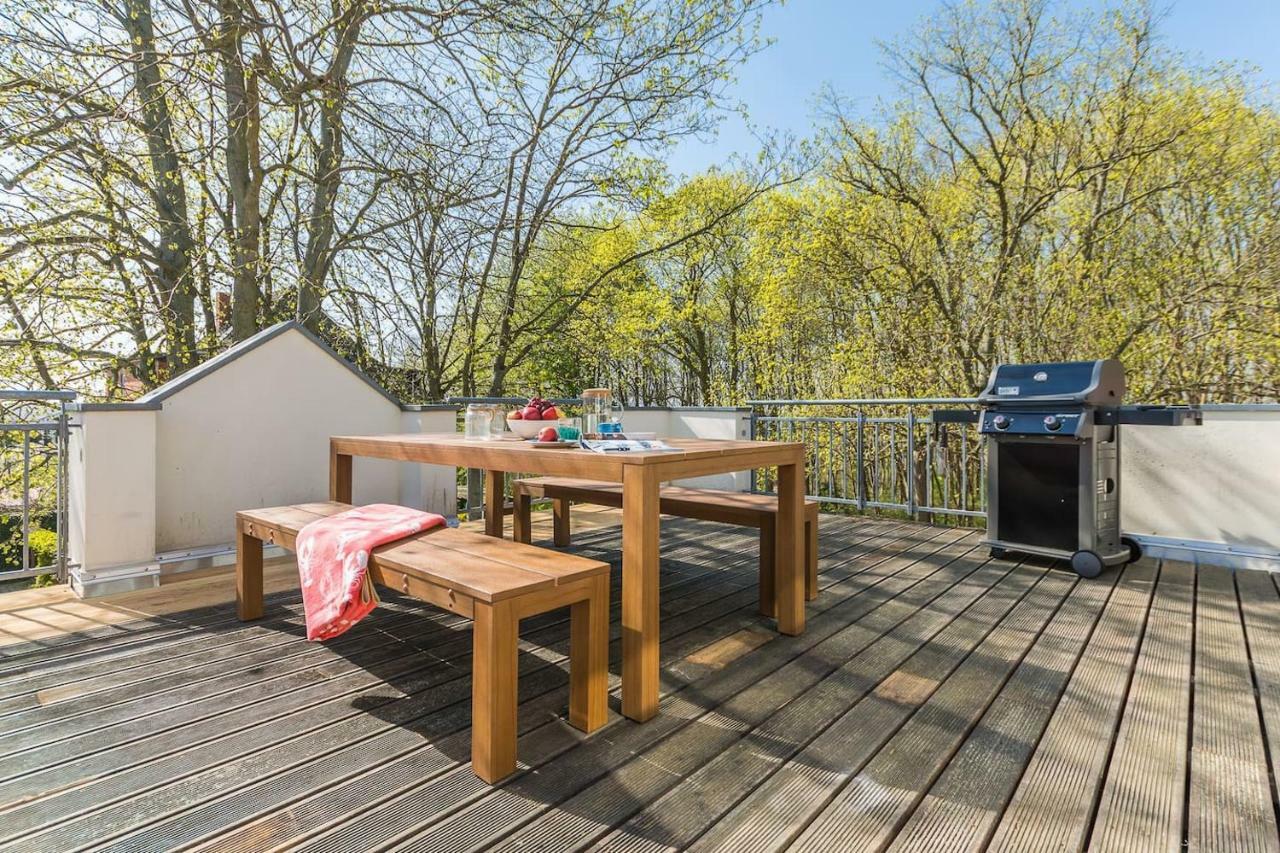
<point>255,433</point>
<point>152,484</point>
<point>1218,483</point>
<point>111,478</point>
<point>697,423</point>
<point>430,487</point>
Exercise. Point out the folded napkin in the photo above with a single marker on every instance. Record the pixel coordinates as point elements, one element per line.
<point>333,562</point>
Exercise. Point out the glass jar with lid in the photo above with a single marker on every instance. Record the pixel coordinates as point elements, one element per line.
<point>477,420</point>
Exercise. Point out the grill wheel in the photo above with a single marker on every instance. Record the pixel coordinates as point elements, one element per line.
<point>1087,564</point>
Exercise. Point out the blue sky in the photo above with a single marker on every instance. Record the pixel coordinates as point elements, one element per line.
<point>820,42</point>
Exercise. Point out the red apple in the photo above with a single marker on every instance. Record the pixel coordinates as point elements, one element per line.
<point>517,415</point>
<point>549,434</point>
<point>531,413</point>
<point>551,413</point>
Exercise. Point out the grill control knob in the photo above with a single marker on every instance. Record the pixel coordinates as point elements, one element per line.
<point>1053,423</point>
<point>1000,422</point>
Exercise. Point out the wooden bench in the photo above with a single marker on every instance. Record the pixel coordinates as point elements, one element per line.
<point>496,583</point>
<point>740,508</point>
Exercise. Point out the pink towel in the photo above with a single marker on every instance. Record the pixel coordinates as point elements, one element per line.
<point>333,561</point>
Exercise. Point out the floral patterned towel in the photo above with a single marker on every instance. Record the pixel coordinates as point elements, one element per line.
<point>333,558</point>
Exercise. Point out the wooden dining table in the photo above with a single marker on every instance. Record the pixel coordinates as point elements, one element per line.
<point>641,473</point>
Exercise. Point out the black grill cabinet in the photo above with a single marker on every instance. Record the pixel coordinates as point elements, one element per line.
<point>1053,459</point>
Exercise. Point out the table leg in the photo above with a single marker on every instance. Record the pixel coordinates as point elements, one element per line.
<point>789,542</point>
<point>340,477</point>
<point>639,592</point>
<point>494,502</point>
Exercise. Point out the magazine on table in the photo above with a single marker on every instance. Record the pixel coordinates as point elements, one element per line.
<point>624,445</point>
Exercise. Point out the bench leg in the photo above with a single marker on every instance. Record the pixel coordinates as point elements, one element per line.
<point>767,571</point>
<point>521,517</point>
<point>493,691</point>
<point>560,522</point>
<point>811,559</point>
<point>248,576</point>
<point>589,658</point>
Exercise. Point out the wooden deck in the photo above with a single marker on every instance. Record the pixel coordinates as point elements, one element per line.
<point>938,701</point>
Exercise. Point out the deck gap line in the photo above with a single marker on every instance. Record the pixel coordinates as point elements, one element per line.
<point>167,625</point>
<point>401,614</point>
<point>457,807</point>
<point>978,567</point>
<point>471,799</point>
<point>985,842</point>
<point>1092,818</point>
<point>1191,709</point>
<point>433,661</point>
<point>832,795</point>
<point>960,662</point>
<point>933,535</point>
<point>1257,696</point>
<point>343,780</point>
<point>304,655</point>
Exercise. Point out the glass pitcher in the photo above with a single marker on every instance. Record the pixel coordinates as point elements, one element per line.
<point>598,407</point>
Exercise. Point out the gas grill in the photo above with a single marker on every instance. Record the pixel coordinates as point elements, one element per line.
<point>1053,459</point>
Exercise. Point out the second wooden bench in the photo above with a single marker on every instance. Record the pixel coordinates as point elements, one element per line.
<point>740,508</point>
<point>496,583</point>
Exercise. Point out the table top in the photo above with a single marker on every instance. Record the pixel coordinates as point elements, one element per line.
<point>513,455</point>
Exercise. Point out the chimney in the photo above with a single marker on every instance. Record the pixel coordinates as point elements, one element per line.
<point>221,311</point>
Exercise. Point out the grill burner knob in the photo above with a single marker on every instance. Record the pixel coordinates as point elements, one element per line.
<point>1053,423</point>
<point>1000,422</point>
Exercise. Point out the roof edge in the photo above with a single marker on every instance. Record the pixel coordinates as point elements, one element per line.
<point>178,383</point>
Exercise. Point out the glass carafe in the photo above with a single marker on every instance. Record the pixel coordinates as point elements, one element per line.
<point>598,407</point>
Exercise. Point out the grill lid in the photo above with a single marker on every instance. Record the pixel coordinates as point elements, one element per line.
<point>1081,383</point>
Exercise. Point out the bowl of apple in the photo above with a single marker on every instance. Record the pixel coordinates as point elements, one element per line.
<point>531,420</point>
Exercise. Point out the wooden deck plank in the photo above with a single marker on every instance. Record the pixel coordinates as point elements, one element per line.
<point>1052,806</point>
<point>1144,798</point>
<point>441,680</point>
<point>175,650</point>
<point>905,664</point>
<point>390,752</point>
<point>1230,804</point>
<point>1260,609</point>
<point>475,813</point>
<point>865,806</point>
<point>962,807</point>
<point>965,722</point>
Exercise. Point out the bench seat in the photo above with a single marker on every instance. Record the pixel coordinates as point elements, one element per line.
<point>739,508</point>
<point>494,582</point>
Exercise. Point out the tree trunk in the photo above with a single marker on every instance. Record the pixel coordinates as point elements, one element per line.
<point>173,267</point>
<point>244,171</point>
<point>318,257</point>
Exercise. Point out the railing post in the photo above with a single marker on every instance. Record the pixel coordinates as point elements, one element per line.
<point>911,463</point>
<point>26,500</point>
<point>751,432</point>
<point>62,513</point>
<point>859,471</point>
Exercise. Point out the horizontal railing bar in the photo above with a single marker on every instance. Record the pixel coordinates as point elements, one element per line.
<point>40,426</point>
<point>568,401</point>
<point>16,574</point>
<point>804,419</point>
<point>35,396</point>
<point>887,401</point>
<point>942,510</point>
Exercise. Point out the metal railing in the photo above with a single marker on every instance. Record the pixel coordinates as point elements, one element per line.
<point>885,454</point>
<point>33,479</point>
<point>473,481</point>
